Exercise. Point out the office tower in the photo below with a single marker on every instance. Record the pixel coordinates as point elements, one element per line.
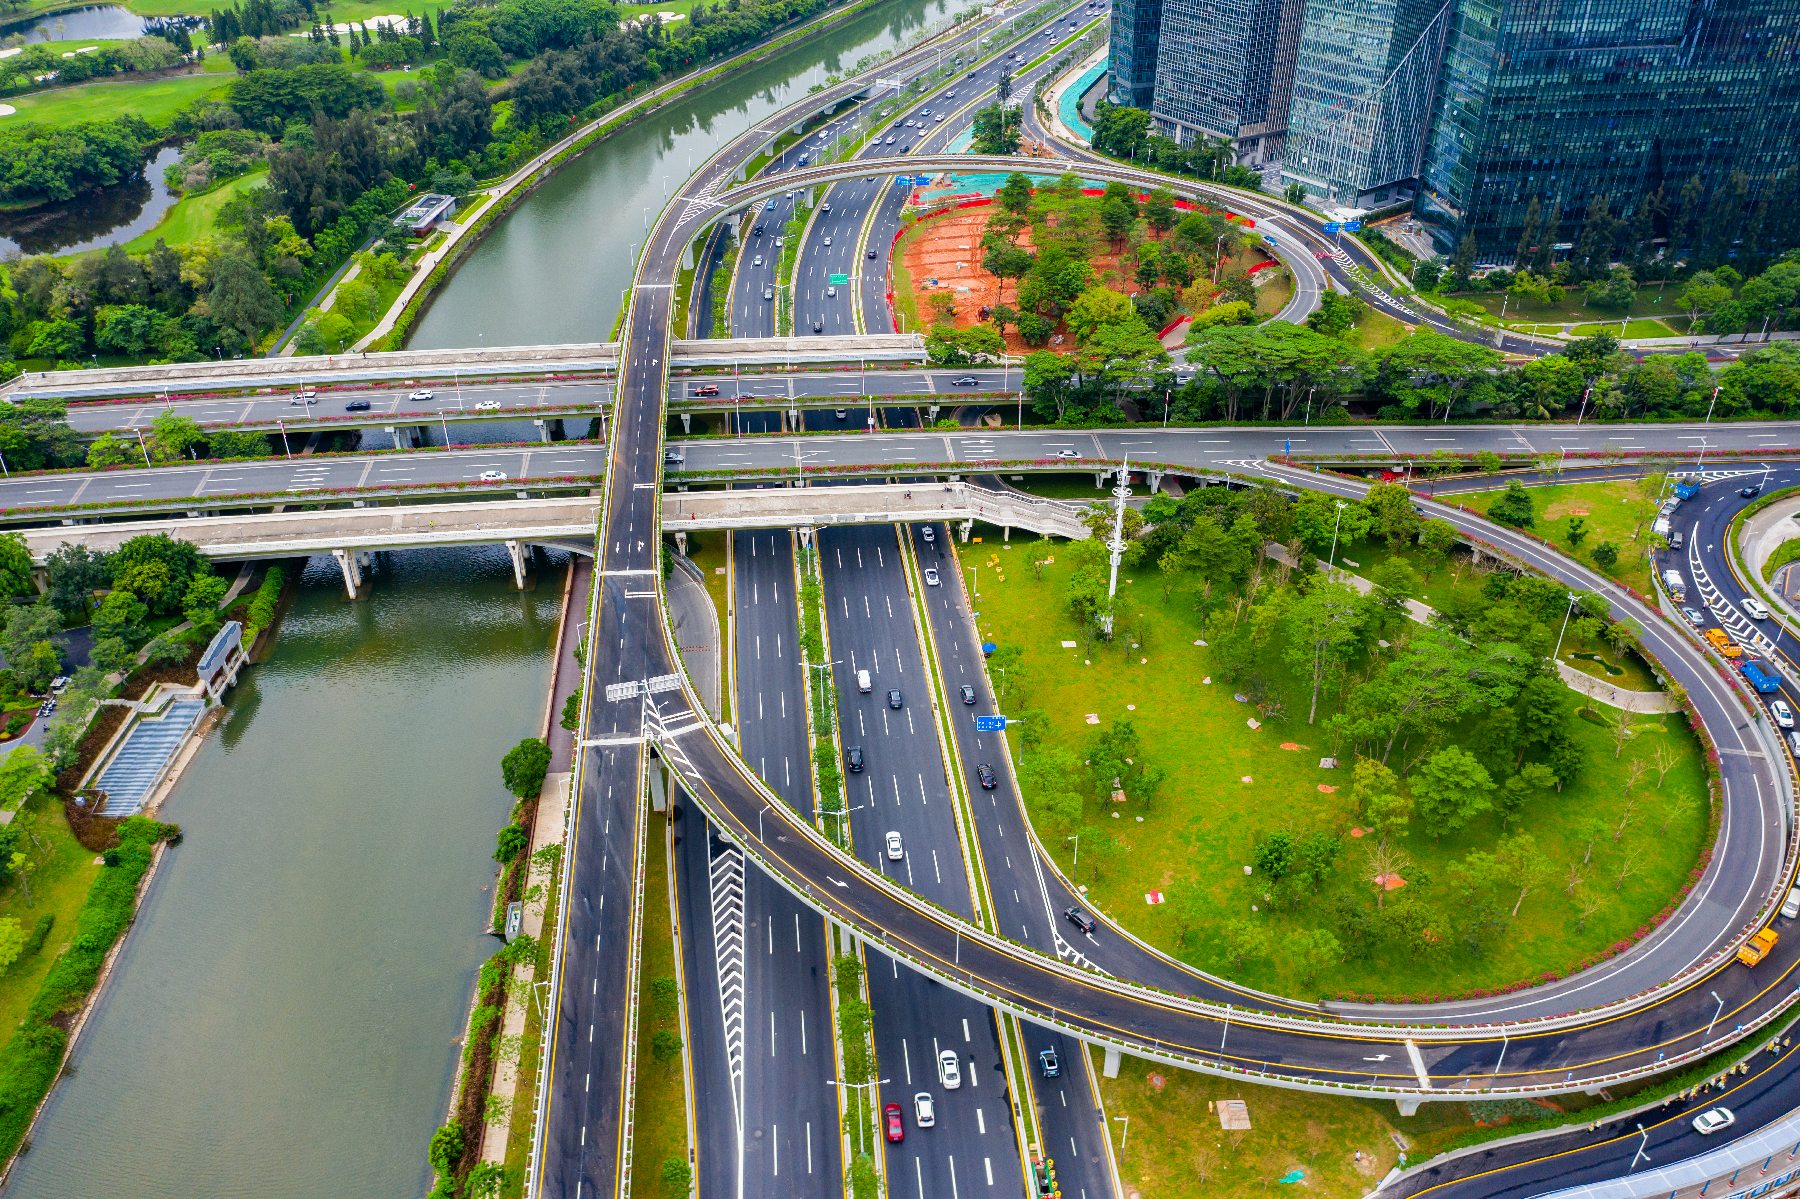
<point>1136,28</point>
<point>1227,71</point>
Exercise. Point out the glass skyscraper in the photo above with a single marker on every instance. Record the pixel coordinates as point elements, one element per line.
<point>1232,75</point>
<point>1131,69</point>
<point>1473,108</point>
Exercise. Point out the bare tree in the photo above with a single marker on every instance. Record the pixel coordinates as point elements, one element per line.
<point>1620,724</point>
<point>1383,861</point>
<point>1634,774</point>
<point>1664,759</point>
<point>1678,805</point>
<point>1628,863</point>
<point>1587,903</point>
<point>1574,878</point>
<point>1625,815</point>
<point>1204,1161</point>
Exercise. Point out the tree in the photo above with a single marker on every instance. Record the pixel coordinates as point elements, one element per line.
<point>571,713</point>
<point>1434,370</point>
<point>165,650</point>
<point>1096,308</point>
<point>241,297</point>
<point>162,590</point>
<point>1015,196</point>
<point>121,614</point>
<point>524,766</point>
<point>1313,951</point>
<point>1317,856</point>
<point>996,130</point>
<point>26,625</point>
<point>1531,779</point>
<point>1523,865</point>
<point>1246,941</point>
<point>1159,210</point>
<point>15,565</point>
<point>23,773</point>
<point>1577,530</point>
<point>201,603</point>
<point>1322,628</point>
<point>113,655</point>
<point>1275,854</point>
<point>512,841</point>
<point>1513,508</point>
<point>1451,789</point>
<point>1605,555</point>
<point>1383,862</point>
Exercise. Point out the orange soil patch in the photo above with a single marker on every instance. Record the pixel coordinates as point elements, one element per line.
<point>948,249</point>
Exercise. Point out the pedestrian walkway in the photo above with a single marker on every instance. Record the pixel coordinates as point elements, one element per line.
<point>139,763</point>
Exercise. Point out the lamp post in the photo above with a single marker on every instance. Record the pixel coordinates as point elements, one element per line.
<point>1642,1145</point>
<point>861,1131</point>
<point>1332,560</point>
<point>284,441</point>
<point>1124,1139</point>
<point>1715,1019</point>
<point>1565,627</point>
<point>146,449</point>
<point>1077,839</point>
<point>1711,404</point>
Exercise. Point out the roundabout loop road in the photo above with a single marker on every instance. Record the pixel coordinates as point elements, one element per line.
<point>630,643</point>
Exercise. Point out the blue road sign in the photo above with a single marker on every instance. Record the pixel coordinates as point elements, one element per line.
<point>1352,226</point>
<point>990,724</point>
<point>1332,226</point>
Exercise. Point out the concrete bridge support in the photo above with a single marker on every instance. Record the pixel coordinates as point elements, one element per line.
<point>967,527</point>
<point>1154,478</point>
<point>351,563</point>
<point>543,428</point>
<point>516,552</point>
<point>687,422</point>
<point>1110,1067</point>
<point>681,543</point>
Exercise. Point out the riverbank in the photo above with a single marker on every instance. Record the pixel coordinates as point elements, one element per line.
<point>259,1009</point>
<point>390,333</point>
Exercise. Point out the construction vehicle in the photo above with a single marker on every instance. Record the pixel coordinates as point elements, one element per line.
<point>1724,644</point>
<point>1757,948</point>
<point>1762,676</point>
<point>1685,490</point>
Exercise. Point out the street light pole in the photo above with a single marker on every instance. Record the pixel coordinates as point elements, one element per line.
<point>1716,1014</point>
<point>1642,1145</point>
<point>1565,627</point>
<point>284,441</point>
<point>1077,839</point>
<point>1116,547</point>
<point>146,449</point>
<point>1332,560</point>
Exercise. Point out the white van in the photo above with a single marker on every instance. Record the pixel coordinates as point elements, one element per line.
<point>1674,584</point>
<point>1661,527</point>
<point>1791,908</point>
<point>862,682</point>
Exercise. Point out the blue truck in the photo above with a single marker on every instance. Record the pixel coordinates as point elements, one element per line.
<point>1762,675</point>
<point>1686,489</point>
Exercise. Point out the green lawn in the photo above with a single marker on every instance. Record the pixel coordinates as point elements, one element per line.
<point>191,217</point>
<point>59,874</point>
<point>1650,302</point>
<point>1201,830</point>
<point>661,1119</point>
<point>1613,510</point>
<point>1377,329</point>
<point>1633,328</point>
<point>155,100</point>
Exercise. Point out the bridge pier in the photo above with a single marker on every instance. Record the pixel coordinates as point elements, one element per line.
<point>681,543</point>
<point>1408,1107</point>
<point>687,422</point>
<point>400,442</point>
<point>966,527</point>
<point>1110,1067</point>
<point>516,552</point>
<point>1100,477</point>
<point>543,428</point>
<point>351,563</point>
<point>1154,478</point>
<point>931,411</point>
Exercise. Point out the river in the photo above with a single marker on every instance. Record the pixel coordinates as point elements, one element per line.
<point>282,1022</point>
<point>554,271</point>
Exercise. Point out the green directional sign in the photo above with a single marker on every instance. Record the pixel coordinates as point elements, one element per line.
<point>837,279</point>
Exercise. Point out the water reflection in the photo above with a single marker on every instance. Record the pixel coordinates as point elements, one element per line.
<point>95,219</point>
<point>81,24</point>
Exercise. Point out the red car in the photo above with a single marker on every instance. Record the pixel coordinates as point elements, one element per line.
<point>711,389</point>
<point>896,1127</point>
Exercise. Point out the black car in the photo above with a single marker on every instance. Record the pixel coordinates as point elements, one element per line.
<point>1051,1067</point>
<point>1080,919</point>
<point>871,253</point>
<point>854,756</point>
<point>818,326</point>
<point>1754,489</point>
<point>966,381</point>
<point>357,406</point>
<point>968,693</point>
<point>756,230</point>
<point>893,697</point>
<point>984,774</point>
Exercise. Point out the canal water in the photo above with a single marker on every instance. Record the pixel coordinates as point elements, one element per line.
<point>102,217</point>
<point>283,1020</point>
<point>555,270</point>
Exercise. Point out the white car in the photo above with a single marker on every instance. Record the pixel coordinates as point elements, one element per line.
<point>493,476</point>
<point>1067,454</point>
<point>924,1110</point>
<point>830,292</point>
<point>1784,715</point>
<point>950,1072</point>
<point>828,241</point>
<point>488,406</point>
<point>1709,1122</point>
<point>422,394</point>
<point>1754,610</point>
<point>931,578</point>
<point>894,852</point>
<point>930,533</point>
<point>757,261</point>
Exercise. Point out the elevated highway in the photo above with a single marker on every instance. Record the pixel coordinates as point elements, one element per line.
<point>1639,1015</point>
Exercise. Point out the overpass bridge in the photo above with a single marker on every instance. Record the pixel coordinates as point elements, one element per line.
<point>351,534</point>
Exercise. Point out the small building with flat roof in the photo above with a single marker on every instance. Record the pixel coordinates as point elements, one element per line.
<point>425,214</point>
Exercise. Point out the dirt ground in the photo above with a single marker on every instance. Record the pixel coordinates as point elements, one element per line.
<point>948,249</point>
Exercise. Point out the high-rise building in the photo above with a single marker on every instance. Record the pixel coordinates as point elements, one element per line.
<point>1232,75</point>
<point>1136,33</point>
<point>1471,110</point>
<point>1365,80</point>
<point>1616,99</point>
